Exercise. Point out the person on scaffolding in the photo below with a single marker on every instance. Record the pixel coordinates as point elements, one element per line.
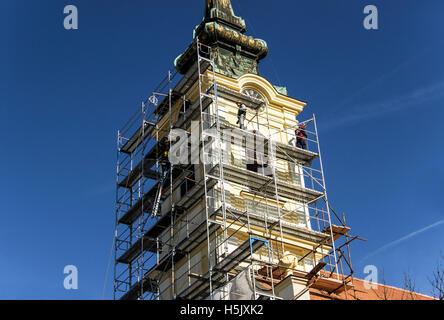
<point>164,161</point>
<point>241,114</point>
<point>301,137</point>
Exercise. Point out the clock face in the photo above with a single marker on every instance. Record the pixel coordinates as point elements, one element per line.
<point>253,94</point>
<point>255,97</point>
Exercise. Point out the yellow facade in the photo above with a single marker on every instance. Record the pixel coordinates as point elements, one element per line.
<point>278,120</point>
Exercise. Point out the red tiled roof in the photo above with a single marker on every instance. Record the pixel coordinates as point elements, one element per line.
<point>360,292</point>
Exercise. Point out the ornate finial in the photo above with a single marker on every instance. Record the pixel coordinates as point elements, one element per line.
<point>222,11</point>
<point>233,52</point>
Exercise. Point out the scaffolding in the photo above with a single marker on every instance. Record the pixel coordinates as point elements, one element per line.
<point>279,222</point>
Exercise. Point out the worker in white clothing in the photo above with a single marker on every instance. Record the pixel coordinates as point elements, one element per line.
<point>241,114</point>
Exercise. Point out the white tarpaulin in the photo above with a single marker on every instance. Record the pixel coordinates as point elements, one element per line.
<point>240,288</point>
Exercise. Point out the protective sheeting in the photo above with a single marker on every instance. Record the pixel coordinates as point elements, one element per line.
<point>240,288</point>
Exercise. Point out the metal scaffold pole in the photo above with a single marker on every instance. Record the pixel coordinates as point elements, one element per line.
<point>204,160</point>
<point>325,197</point>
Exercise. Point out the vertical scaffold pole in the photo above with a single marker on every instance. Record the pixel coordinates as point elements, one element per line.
<point>170,91</point>
<point>203,158</point>
<point>325,196</point>
<point>141,188</point>
<point>117,214</point>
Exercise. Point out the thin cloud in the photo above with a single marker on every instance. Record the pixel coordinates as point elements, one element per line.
<point>405,238</point>
<point>394,71</point>
<point>373,110</point>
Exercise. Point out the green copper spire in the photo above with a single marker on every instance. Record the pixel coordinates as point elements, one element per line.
<point>234,53</point>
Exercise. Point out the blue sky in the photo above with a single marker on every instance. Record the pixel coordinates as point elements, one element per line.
<point>378,97</point>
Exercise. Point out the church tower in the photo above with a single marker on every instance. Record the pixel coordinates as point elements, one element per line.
<point>220,185</point>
